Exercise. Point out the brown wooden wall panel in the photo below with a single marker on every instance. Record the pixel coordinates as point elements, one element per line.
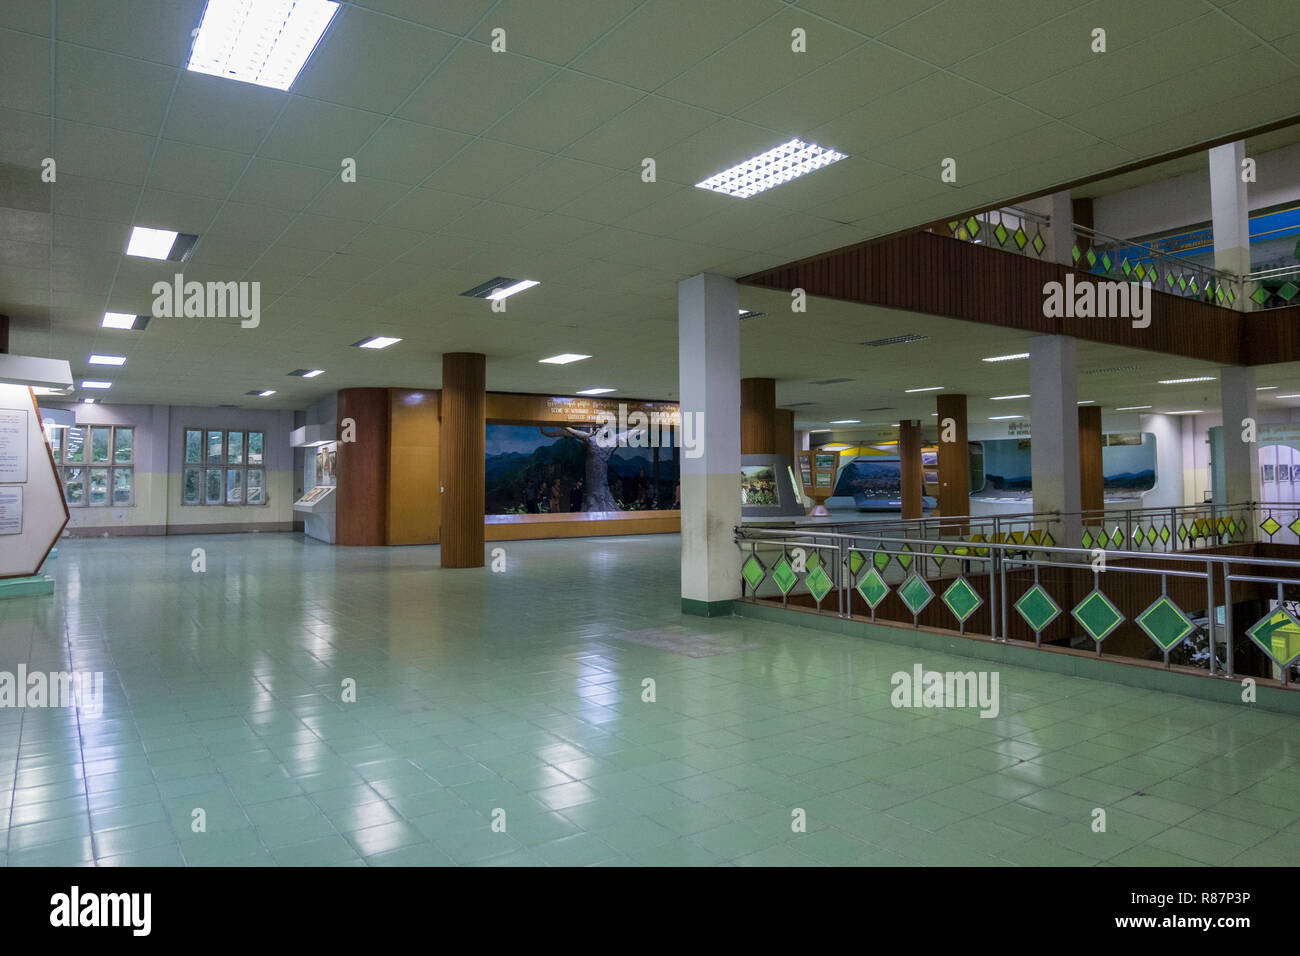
<point>414,498</point>
<point>939,275</point>
<point>954,462</point>
<point>1091,473</point>
<point>362,495</point>
<point>783,430</point>
<point>757,416</point>
<point>462,445</point>
<point>911,472</point>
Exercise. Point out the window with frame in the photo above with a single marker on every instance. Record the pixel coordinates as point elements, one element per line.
<point>224,466</point>
<point>96,464</point>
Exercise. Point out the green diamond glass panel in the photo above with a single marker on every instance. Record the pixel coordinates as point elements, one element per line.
<point>1164,623</point>
<point>1117,537</point>
<point>880,560</point>
<point>1218,293</point>
<point>1088,539</point>
<point>1138,537</point>
<point>1182,532</point>
<point>1038,243</point>
<point>856,561</point>
<point>973,226</point>
<point>1097,615</point>
<point>783,575</point>
<point>1295,526</point>
<point>1092,258</point>
<point>1037,608</point>
<point>962,599</point>
<point>1182,283</point>
<point>904,557</point>
<point>937,553</point>
<point>1075,254</point>
<point>873,588</point>
<point>1259,295</point>
<point>1288,291</point>
<point>916,594</point>
<point>1191,284</point>
<point>1169,279</point>
<point>1021,237</point>
<point>1048,540</point>
<point>813,561</point>
<point>1153,275</point>
<point>819,583</point>
<point>1125,268</point>
<point>1106,261</point>
<point>1151,536</point>
<point>952,226</point>
<point>1000,232</point>
<point>1232,296</point>
<point>753,573</point>
<point>1278,635</point>
<point>1164,534</point>
<point>1140,271</point>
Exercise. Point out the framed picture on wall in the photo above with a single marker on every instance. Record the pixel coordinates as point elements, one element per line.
<point>1268,472</point>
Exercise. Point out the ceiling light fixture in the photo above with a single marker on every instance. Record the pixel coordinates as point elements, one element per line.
<point>1187,411</point>
<point>896,340</point>
<point>376,342</point>
<point>1185,381</point>
<point>499,287</point>
<point>1266,388</point>
<point>930,388</point>
<point>1005,398</point>
<point>596,391</point>
<point>847,421</point>
<point>265,42</point>
<point>306,372</point>
<point>1133,408</point>
<point>1003,418</point>
<point>160,244</point>
<point>106,360</point>
<point>564,358</point>
<point>90,384</point>
<point>1006,358</point>
<point>772,168</point>
<point>1287,396</point>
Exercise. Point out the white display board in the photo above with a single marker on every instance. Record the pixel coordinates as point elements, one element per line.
<point>32,510</point>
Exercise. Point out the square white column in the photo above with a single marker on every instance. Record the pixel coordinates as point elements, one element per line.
<point>1054,430</point>
<point>1240,458</point>
<point>708,343</point>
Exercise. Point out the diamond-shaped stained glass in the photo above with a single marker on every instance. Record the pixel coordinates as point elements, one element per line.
<point>1182,283</point>
<point>1278,635</point>
<point>1191,284</point>
<point>1048,540</point>
<point>880,560</point>
<point>1259,295</point>
<point>873,588</point>
<point>904,557</point>
<point>1140,271</point>
<point>1075,254</point>
<point>1288,291</point>
<point>937,553</point>
<point>819,583</point>
<point>1097,615</point>
<point>1151,536</point>
<point>1020,236</point>
<point>1106,261</point>
<point>856,561</point>
<point>1295,526</point>
<point>916,594</point>
<point>1164,623</point>
<point>1092,259</point>
<point>973,226</point>
<point>1000,233</point>
<point>962,599</point>
<point>1164,534</point>
<point>1125,268</point>
<point>1037,608</point>
<point>1088,539</point>
<point>783,575</point>
<point>1117,537</point>
<point>813,561</point>
<point>1182,532</point>
<point>1038,243</point>
<point>1218,293</point>
<point>753,572</point>
<point>1169,279</point>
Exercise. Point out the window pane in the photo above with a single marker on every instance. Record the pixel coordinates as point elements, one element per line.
<point>75,450</point>
<point>74,486</point>
<point>123,445</point>
<point>98,486</point>
<point>192,490</point>
<point>234,486</point>
<point>255,491</point>
<point>214,446</point>
<point>193,446</point>
<point>255,441</point>
<point>234,448</point>
<point>212,487</point>
<point>99,444</point>
<point>123,485</point>
<point>56,443</point>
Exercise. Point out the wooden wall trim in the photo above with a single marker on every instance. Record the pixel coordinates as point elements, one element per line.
<point>462,445</point>
<point>362,508</point>
<point>414,497</point>
<point>938,275</point>
<point>954,462</point>
<point>757,416</point>
<point>1092,495</point>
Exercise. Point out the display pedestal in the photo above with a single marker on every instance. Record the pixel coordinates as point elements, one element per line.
<point>317,510</point>
<point>38,585</point>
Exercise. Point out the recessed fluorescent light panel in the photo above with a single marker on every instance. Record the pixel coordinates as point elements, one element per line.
<point>265,42</point>
<point>107,360</point>
<point>1003,418</point>
<point>780,165</point>
<point>596,391</point>
<point>124,320</point>
<point>896,340</point>
<point>1007,358</point>
<point>376,342</point>
<point>1132,408</point>
<point>261,392</point>
<point>563,358</point>
<point>307,372</point>
<point>499,288</point>
<point>1279,396</point>
<point>931,388</point>
<point>88,401</point>
<point>1266,388</point>
<point>1005,398</point>
<point>1091,401</point>
<point>846,421</point>
<point>1184,381</point>
<point>160,244</point>
<point>89,384</point>
<point>749,314</point>
<point>1187,411</point>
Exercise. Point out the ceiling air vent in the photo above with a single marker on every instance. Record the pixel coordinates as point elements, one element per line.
<point>1114,370</point>
<point>896,340</point>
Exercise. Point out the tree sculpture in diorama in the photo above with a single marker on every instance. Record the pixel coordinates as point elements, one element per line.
<point>600,443</point>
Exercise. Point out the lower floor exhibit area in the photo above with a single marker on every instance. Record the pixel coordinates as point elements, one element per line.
<point>357,706</point>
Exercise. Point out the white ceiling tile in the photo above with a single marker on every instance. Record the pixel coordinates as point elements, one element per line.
<point>115,27</point>
<point>282,185</point>
<point>404,152</point>
<point>319,134</point>
<point>566,108</point>
<point>484,168</point>
<point>211,111</point>
<point>546,31</point>
<point>473,89</point>
<point>24,72</point>
<point>110,90</point>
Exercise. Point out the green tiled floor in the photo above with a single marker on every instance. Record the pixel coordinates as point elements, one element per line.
<point>514,691</point>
